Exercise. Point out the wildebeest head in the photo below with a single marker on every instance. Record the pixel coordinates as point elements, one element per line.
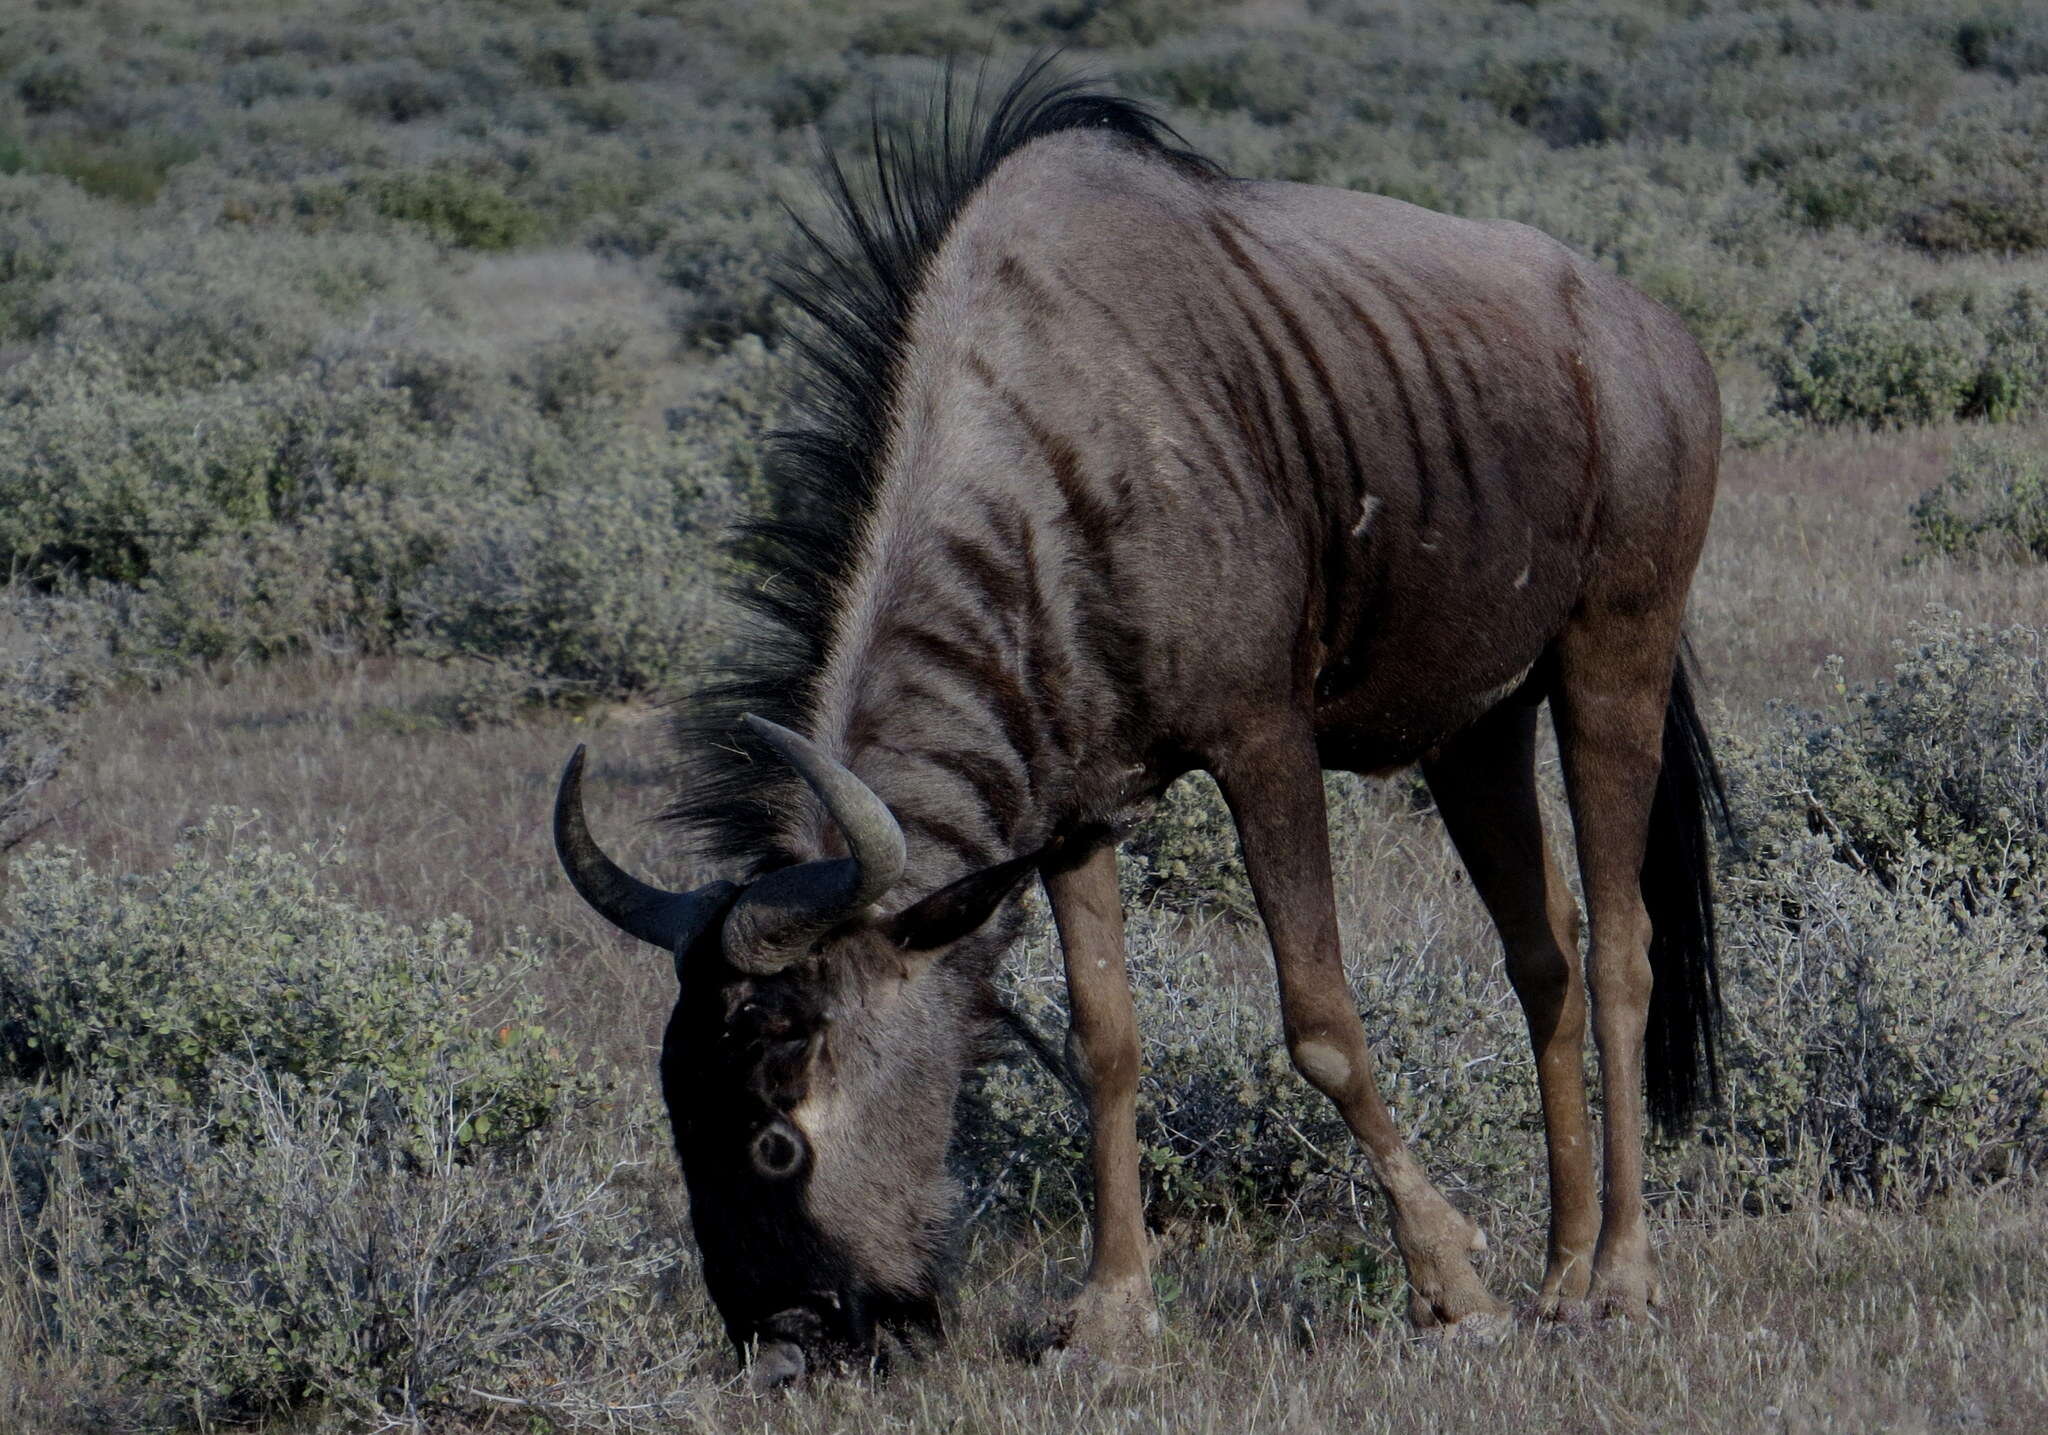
<point>811,1066</point>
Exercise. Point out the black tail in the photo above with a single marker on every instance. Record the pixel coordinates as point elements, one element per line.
<point>1678,889</point>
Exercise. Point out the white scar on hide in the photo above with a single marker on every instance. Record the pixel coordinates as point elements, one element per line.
<point>1365,512</point>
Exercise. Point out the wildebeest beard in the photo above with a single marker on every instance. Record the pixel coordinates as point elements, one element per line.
<point>738,1058</point>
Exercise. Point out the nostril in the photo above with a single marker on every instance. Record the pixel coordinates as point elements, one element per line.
<point>778,1151</point>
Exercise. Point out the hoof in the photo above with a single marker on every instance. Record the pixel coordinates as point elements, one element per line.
<point>1623,1311</point>
<point>1630,1294</point>
<point>1108,1326</point>
<point>1572,1311</point>
<point>1443,1289</point>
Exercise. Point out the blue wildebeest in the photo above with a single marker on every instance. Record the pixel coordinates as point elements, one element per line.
<point>1115,467</point>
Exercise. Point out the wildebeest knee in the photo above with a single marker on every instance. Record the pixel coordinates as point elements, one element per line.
<point>1103,1061</point>
<point>1326,1065</point>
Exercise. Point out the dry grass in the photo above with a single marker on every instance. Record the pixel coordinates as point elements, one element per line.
<point>1825,1321</point>
<point>1828,1320</point>
<point>1894,1321</point>
<point>1811,554</point>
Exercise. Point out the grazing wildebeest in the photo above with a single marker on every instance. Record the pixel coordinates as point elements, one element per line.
<point>1116,467</point>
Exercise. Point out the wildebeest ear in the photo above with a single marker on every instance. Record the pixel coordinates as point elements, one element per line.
<point>956,910</point>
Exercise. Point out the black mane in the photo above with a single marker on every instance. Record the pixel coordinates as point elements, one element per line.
<point>854,281</point>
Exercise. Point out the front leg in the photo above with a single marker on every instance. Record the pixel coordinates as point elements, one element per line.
<point>1274,788</point>
<point>1114,1310</point>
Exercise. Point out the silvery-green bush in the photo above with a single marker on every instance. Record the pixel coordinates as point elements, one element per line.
<point>260,1257</point>
<point>389,496</point>
<point>586,591</point>
<point>53,665</point>
<point>1887,1035</point>
<point>1950,757</point>
<point>1879,357</point>
<point>262,1151</point>
<point>1225,1124</point>
<point>1993,500</point>
<point>237,951</point>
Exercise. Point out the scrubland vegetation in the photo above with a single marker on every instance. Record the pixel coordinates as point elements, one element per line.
<point>374,383</point>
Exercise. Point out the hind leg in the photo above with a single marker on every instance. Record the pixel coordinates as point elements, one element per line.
<point>1614,678</point>
<point>1484,782</point>
<point>1274,788</point>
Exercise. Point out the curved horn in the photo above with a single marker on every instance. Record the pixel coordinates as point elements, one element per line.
<point>669,920</point>
<point>783,910</point>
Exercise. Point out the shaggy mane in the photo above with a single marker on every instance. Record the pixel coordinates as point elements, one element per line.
<point>854,279</point>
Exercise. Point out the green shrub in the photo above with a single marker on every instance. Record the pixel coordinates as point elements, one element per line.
<point>264,1150</point>
<point>399,91</point>
<point>524,518</point>
<point>240,953</point>
<point>49,83</point>
<point>250,596</point>
<point>1886,1035</point>
<point>453,208</point>
<point>1184,856</point>
<point>102,481</point>
<point>212,1278</point>
<point>1878,357</point>
<point>1994,500</point>
<point>2013,381</point>
<point>1558,95</point>
<point>1977,219</point>
<point>1949,759</point>
<point>53,664</point>
<point>591,591</point>
<point>585,373</point>
<point>2008,39</point>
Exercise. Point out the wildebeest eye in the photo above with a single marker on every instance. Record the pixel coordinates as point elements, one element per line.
<point>778,1151</point>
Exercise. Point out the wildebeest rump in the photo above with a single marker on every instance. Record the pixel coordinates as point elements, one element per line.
<point>1113,467</point>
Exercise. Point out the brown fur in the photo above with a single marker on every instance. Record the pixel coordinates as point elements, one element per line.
<point>1180,471</point>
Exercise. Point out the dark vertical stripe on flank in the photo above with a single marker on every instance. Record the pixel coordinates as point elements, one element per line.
<point>1012,275</point>
<point>977,563</point>
<point>1193,415</point>
<point>981,670</point>
<point>1215,370</point>
<point>1301,439</point>
<point>1473,490</point>
<point>1045,666</point>
<point>1093,519</point>
<point>1446,410</point>
<point>1304,344</point>
<point>1021,737</point>
<point>1446,403</point>
<point>1337,549</point>
<point>1418,450</point>
<point>1583,391</point>
<point>1268,437</point>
